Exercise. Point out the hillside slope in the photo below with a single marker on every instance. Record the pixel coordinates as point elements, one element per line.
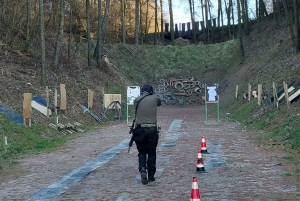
<point>270,57</point>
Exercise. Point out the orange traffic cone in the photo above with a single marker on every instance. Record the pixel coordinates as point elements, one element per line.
<point>203,145</point>
<point>200,163</point>
<point>195,193</point>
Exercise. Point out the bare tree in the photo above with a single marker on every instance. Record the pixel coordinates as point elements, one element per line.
<point>100,32</point>
<point>192,12</point>
<point>228,14</point>
<point>144,27</point>
<point>162,22</point>
<point>42,34</point>
<point>123,21</point>
<point>240,31</point>
<point>289,19</point>
<point>70,31</point>
<point>60,34</point>
<point>102,20</point>
<point>220,16</point>
<point>28,24</point>
<point>88,30</point>
<point>171,22</point>
<point>244,12</point>
<point>204,24</point>
<point>206,19</point>
<point>155,21</point>
<point>137,20</point>
<point>275,13</point>
<point>297,31</point>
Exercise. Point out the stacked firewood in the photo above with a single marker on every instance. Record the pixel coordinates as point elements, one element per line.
<point>180,91</point>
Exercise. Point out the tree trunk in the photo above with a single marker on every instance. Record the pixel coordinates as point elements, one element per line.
<point>244,16</point>
<point>156,23</point>
<point>123,21</point>
<point>146,27</point>
<point>205,25</point>
<point>206,20</point>
<point>60,34</point>
<point>275,13</point>
<point>137,20</point>
<point>228,18</point>
<point>100,32</point>
<point>192,12</point>
<point>289,20</point>
<point>105,17</point>
<point>162,22</point>
<point>222,22</point>
<point>232,14</point>
<point>247,26</point>
<point>88,31</point>
<point>102,20</point>
<point>297,31</point>
<point>42,34</point>
<point>71,31</point>
<point>240,31</point>
<point>219,12</point>
<point>171,22</point>
<point>28,24</point>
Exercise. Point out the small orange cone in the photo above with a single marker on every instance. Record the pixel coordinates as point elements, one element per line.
<point>200,162</point>
<point>203,145</point>
<point>195,193</point>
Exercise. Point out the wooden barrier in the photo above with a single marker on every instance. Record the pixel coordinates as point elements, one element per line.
<point>27,109</point>
<point>249,91</point>
<point>90,98</point>
<point>63,97</point>
<point>259,92</point>
<point>109,98</point>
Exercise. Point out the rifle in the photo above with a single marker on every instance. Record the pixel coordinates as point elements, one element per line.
<point>131,140</point>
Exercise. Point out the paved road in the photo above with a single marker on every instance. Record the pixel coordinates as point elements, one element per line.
<point>96,166</point>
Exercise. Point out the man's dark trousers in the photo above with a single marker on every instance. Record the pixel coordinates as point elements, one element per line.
<point>148,147</point>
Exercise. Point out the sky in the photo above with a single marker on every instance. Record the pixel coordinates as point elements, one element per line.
<point>181,11</point>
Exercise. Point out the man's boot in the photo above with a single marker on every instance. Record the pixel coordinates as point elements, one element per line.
<point>151,172</point>
<point>144,179</point>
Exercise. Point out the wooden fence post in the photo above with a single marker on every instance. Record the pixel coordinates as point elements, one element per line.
<point>259,92</point>
<point>249,91</point>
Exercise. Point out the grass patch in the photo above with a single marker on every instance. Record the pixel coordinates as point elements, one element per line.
<point>241,113</point>
<point>288,174</point>
<point>22,140</point>
<point>151,63</point>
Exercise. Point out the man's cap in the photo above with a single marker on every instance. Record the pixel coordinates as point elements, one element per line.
<point>147,88</point>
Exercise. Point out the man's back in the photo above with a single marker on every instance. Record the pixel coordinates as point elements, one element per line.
<point>147,109</point>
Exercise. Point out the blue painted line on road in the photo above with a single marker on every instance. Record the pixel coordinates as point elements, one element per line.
<point>163,158</point>
<point>216,157</point>
<point>76,175</point>
<point>171,137</point>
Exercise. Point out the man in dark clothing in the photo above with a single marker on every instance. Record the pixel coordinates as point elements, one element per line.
<point>146,120</point>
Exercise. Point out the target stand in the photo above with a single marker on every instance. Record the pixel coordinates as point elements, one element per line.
<point>211,98</point>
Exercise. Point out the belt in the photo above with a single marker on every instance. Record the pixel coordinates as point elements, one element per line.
<point>146,125</point>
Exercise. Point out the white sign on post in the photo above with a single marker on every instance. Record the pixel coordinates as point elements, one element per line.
<point>211,93</point>
<point>132,93</point>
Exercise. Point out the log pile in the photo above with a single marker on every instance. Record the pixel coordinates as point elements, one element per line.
<point>180,91</point>
<point>67,128</point>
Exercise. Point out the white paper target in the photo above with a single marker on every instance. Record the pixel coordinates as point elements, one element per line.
<point>132,93</point>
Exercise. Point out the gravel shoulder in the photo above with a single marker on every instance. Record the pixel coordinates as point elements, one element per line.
<point>236,168</point>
